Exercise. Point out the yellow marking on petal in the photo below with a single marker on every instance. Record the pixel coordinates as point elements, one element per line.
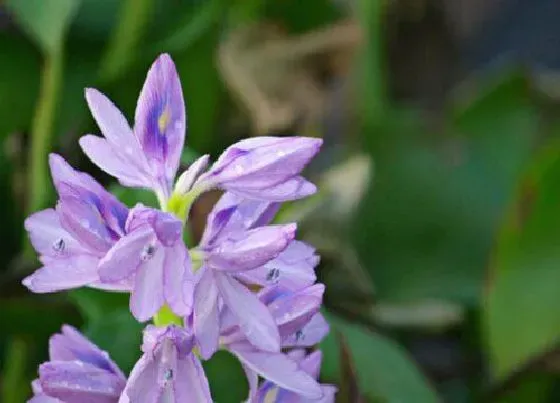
<point>163,120</point>
<point>271,396</point>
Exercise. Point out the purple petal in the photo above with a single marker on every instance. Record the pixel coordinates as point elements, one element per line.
<point>141,385</point>
<point>217,222</point>
<point>293,189</point>
<point>257,247</point>
<point>85,223</point>
<point>310,335</point>
<point>178,280</point>
<point>168,228</point>
<point>147,297</point>
<point>63,274</point>
<point>48,237</point>
<point>187,178</point>
<point>73,381</point>
<point>44,399</point>
<point>191,384</point>
<point>253,316</point>
<point>104,155</point>
<point>71,345</point>
<point>293,311</point>
<point>277,368</point>
<point>253,381</point>
<point>312,363</point>
<point>160,121</point>
<point>126,255</point>
<point>206,314</point>
<point>259,163</point>
<point>329,392</point>
<point>292,269</point>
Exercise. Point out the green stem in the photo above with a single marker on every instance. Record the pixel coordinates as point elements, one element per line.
<point>14,380</point>
<point>166,317</point>
<point>41,131</point>
<point>121,51</point>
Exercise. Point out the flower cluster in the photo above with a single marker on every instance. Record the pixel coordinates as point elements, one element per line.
<point>248,287</point>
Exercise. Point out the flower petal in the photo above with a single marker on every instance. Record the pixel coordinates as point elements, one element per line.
<point>311,334</point>
<point>178,280</point>
<point>147,297</point>
<point>160,121</point>
<point>254,318</point>
<point>191,384</point>
<point>277,368</point>
<point>64,274</point>
<point>141,385</point>
<point>292,189</point>
<point>102,154</point>
<point>206,314</point>
<point>126,255</point>
<point>187,178</point>
<point>255,248</point>
<point>73,381</point>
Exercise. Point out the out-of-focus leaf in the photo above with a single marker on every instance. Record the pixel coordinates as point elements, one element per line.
<point>13,376</point>
<point>45,21</point>
<point>300,16</point>
<point>348,391</point>
<point>521,318</point>
<point>226,377</point>
<point>535,388</point>
<point>384,370</point>
<point>425,229</point>
<point>110,325</point>
<point>19,83</point>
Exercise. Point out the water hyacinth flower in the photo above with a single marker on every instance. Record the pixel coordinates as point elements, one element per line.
<point>78,371</point>
<point>269,392</point>
<point>168,371</point>
<point>292,312</point>
<point>149,155</point>
<point>153,254</point>
<point>72,238</point>
<point>264,168</point>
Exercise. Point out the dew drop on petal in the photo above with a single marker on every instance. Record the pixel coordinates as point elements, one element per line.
<point>148,252</point>
<point>273,275</point>
<point>59,245</point>
<point>299,335</point>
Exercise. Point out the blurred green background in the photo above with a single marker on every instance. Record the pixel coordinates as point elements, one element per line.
<point>438,216</point>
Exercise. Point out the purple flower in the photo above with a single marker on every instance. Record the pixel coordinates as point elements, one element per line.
<point>153,254</point>
<point>149,155</point>
<point>270,392</point>
<point>168,371</point>
<point>264,168</point>
<point>293,312</point>
<point>72,238</point>
<point>78,371</point>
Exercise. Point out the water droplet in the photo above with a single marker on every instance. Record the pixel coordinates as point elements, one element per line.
<point>299,335</point>
<point>148,252</point>
<point>273,275</point>
<point>238,169</point>
<point>168,375</point>
<point>281,153</point>
<point>59,245</point>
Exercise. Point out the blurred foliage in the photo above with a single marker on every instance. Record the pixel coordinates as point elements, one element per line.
<point>437,226</point>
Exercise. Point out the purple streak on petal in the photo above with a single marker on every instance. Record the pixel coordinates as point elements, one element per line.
<point>310,335</point>
<point>277,368</point>
<point>73,381</point>
<point>253,316</point>
<point>187,178</point>
<point>71,345</point>
<point>104,155</point>
<point>141,385</point>
<point>216,222</point>
<point>206,314</point>
<point>126,255</point>
<point>178,280</point>
<point>85,223</point>
<point>147,297</point>
<point>292,269</point>
<point>191,384</point>
<point>63,274</point>
<point>293,189</point>
<point>48,237</point>
<point>160,121</point>
<point>255,248</point>
<point>294,310</point>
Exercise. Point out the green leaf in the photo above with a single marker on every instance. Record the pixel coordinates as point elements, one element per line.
<point>110,325</point>
<point>520,318</point>
<point>426,227</point>
<point>227,380</point>
<point>383,368</point>
<point>45,21</point>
